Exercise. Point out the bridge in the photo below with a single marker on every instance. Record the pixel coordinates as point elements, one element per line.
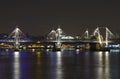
<point>101,35</point>
<point>15,39</point>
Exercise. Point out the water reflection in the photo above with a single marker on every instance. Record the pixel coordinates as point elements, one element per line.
<point>38,55</point>
<point>33,50</point>
<point>100,58</point>
<point>87,65</point>
<point>107,65</point>
<point>16,65</point>
<point>38,65</point>
<point>55,65</point>
<point>103,65</point>
<point>59,65</point>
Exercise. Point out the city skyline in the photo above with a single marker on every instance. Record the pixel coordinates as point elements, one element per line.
<point>74,17</point>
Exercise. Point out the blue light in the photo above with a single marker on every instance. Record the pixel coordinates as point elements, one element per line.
<point>114,46</point>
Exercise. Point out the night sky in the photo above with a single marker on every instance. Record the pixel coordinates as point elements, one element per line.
<point>74,17</point>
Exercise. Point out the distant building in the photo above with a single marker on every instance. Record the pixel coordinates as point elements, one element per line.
<point>67,37</point>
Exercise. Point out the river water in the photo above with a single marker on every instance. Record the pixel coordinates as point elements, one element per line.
<point>67,64</point>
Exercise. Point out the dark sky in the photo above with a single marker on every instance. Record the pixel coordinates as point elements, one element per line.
<point>74,17</point>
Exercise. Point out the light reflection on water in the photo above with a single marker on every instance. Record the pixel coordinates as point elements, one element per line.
<point>59,65</point>
<point>38,65</point>
<point>16,65</point>
<point>103,63</point>
<point>107,65</point>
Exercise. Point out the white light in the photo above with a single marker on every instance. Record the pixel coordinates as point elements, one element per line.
<point>59,65</point>
<point>59,29</point>
<point>16,54</point>
<point>16,66</point>
<point>106,53</point>
<point>59,54</point>
<point>33,50</point>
